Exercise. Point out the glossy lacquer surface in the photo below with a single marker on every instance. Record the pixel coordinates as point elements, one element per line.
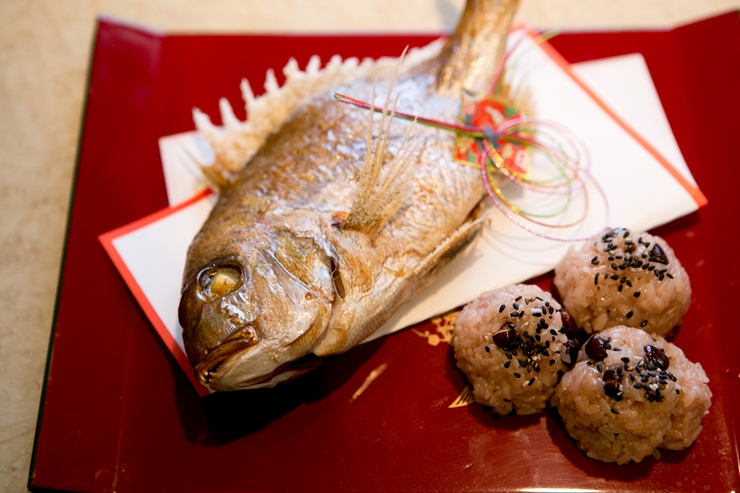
<point>118,414</point>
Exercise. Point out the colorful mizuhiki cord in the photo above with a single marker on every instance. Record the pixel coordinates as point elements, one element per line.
<point>559,146</point>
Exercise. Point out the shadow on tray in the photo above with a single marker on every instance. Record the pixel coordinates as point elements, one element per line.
<point>222,417</point>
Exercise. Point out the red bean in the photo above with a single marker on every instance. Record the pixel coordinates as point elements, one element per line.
<point>657,356</point>
<point>505,338</point>
<point>595,348</point>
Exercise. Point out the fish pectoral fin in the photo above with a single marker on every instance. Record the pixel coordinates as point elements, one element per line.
<point>447,250</point>
<point>381,189</point>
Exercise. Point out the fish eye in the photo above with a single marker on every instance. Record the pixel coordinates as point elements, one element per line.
<point>218,281</point>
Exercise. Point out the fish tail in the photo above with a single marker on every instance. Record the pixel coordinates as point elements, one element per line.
<point>470,57</point>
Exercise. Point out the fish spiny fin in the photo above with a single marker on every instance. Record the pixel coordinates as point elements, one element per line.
<point>235,143</point>
<point>378,197</point>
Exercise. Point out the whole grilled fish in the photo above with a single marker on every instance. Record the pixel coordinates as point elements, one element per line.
<point>327,230</point>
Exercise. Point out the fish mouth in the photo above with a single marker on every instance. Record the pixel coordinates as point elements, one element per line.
<point>284,373</point>
<point>242,339</point>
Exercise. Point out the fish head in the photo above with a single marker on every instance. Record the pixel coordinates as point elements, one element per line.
<point>252,310</point>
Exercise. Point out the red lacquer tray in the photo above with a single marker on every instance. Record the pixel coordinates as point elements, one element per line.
<point>118,414</point>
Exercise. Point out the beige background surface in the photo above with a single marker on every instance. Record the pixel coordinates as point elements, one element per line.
<point>44,52</point>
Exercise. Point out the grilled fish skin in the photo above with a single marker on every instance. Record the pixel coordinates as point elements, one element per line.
<point>301,258</point>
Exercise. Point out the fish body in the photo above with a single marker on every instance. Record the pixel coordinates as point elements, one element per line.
<point>307,251</point>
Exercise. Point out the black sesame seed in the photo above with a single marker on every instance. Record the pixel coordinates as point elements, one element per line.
<point>596,279</point>
<point>614,277</point>
<point>636,294</point>
<point>678,391</point>
<point>669,275</point>
<point>513,314</point>
<point>517,298</point>
<point>619,288</point>
<point>589,363</point>
<point>629,283</point>
<point>517,375</point>
<point>488,350</point>
<point>516,306</point>
<point>501,308</point>
<point>625,359</point>
<point>643,323</point>
<point>552,362</point>
<point>638,385</point>
<point>629,314</point>
<point>599,367</point>
<point>507,364</point>
<point>614,266</point>
<point>615,411</point>
<point>617,349</point>
<point>531,381</point>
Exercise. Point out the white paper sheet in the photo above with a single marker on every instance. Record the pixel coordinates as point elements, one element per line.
<point>641,191</point>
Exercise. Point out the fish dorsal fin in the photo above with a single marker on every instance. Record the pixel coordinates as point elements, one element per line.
<point>235,143</point>
<point>380,192</point>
